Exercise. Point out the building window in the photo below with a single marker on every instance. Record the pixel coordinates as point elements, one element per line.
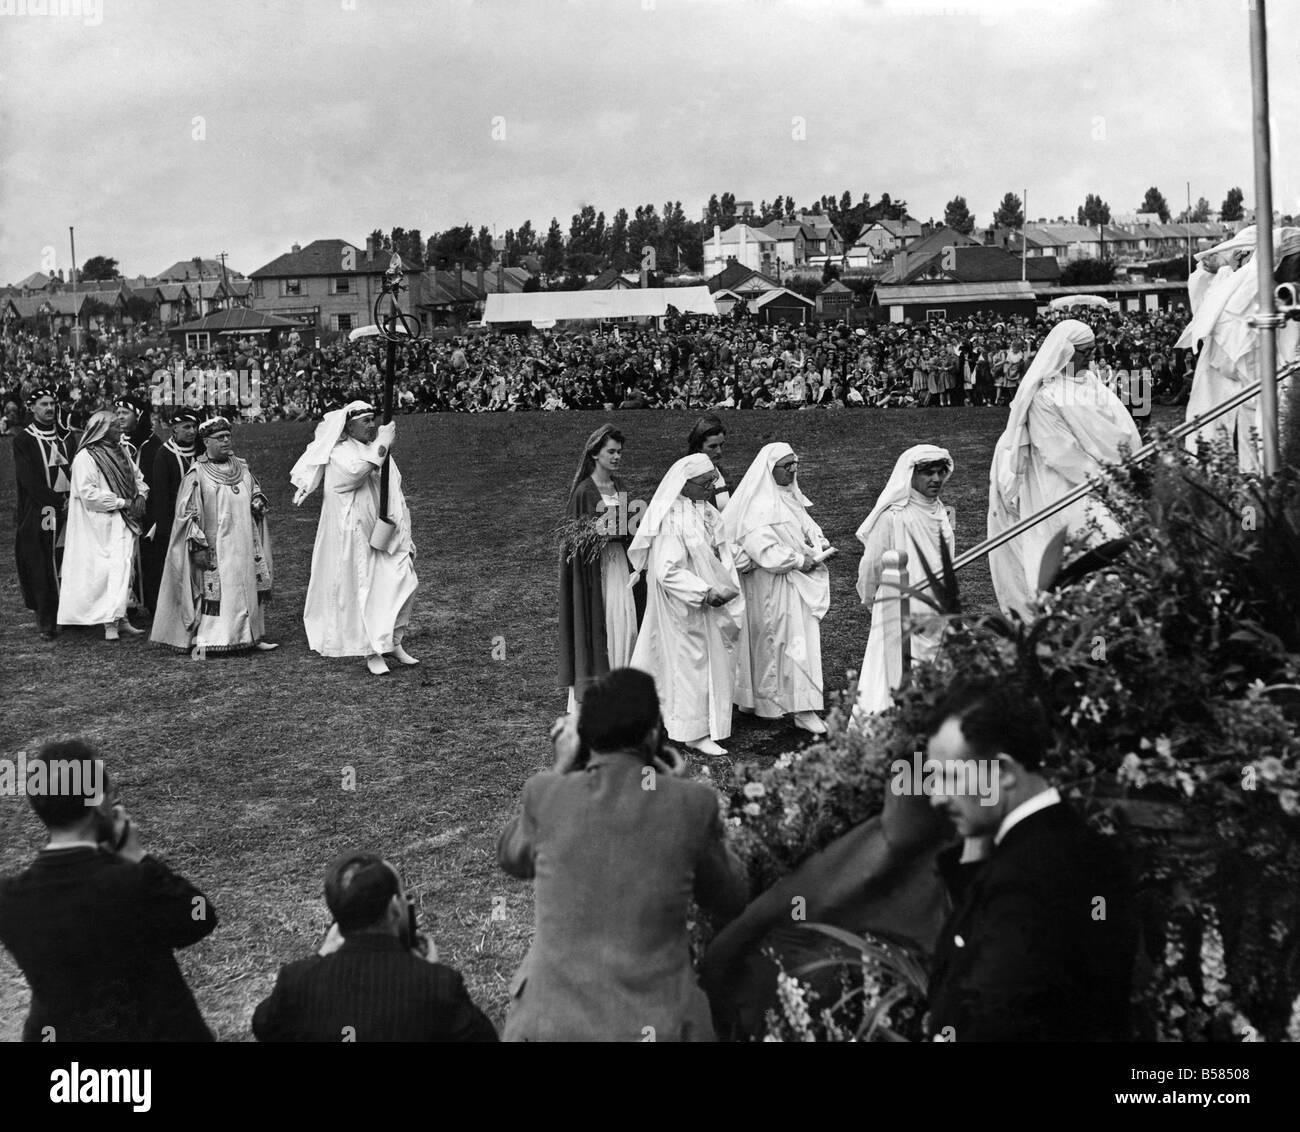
<point>257,288</point>
<point>936,316</point>
<point>196,340</point>
<point>341,322</point>
<point>342,285</point>
<point>293,286</point>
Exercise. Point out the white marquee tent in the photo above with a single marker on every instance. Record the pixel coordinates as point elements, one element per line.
<point>543,307</point>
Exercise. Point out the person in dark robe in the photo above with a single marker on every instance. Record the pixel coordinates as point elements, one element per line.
<point>708,436</point>
<point>42,458</point>
<point>599,615</point>
<point>135,419</point>
<point>170,463</point>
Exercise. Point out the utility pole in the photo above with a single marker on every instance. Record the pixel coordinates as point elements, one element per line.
<point>76,318</point>
<point>1024,236</point>
<point>1189,229</point>
<point>225,282</point>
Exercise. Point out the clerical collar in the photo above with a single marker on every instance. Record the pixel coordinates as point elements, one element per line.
<point>1049,797</point>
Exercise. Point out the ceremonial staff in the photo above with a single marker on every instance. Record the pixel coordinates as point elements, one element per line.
<point>394,326</point>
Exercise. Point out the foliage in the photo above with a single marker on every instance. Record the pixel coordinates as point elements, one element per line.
<point>1231,208</point>
<point>581,539</point>
<point>1169,676</point>
<point>1154,201</point>
<point>99,267</point>
<point>1093,211</point>
<point>1010,213</point>
<point>1087,271</point>
<point>956,214</point>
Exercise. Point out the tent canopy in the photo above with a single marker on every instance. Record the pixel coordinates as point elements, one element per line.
<point>561,306</point>
<point>1065,302</point>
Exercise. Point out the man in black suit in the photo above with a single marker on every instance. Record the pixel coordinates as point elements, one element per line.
<point>371,981</point>
<point>1041,939</point>
<point>94,920</point>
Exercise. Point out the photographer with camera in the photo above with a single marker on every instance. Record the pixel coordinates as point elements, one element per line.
<point>376,978</point>
<point>616,842</point>
<point>94,920</point>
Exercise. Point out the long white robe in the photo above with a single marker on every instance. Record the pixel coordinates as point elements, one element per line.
<point>905,527</point>
<point>687,646</point>
<point>1222,301</point>
<point>1075,426</point>
<point>359,599</point>
<point>99,555</point>
<point>779,661</point>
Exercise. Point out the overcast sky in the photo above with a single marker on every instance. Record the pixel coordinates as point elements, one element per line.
<point>165,129</point>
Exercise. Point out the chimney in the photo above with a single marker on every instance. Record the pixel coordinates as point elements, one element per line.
<point>370,249</point>
<point>296,249</point>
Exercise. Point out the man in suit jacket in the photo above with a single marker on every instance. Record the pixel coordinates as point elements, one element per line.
<point>94,920</point>
<point>371,982</point>
<point>616,843</point>
<point>1042,937</point>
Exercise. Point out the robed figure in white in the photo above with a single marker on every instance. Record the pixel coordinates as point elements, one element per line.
<point>694,606</point>
<point>1223,291</point>
<point>217,575</point>
<point>359,598</point>
<point>908,516</point>
<point>787,591</point>
<point>105,509</point>
<point>1064,426</point>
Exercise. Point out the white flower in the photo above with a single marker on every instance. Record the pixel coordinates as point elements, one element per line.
<point>1164,748</point>
<point>753,809</point>
<point>754,790</point>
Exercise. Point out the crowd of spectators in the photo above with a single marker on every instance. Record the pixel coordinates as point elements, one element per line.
<point>693,365</point>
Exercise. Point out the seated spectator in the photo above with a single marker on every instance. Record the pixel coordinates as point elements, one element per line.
<point>373,980</point>
<point>616,843</point>
<point>93,921</point>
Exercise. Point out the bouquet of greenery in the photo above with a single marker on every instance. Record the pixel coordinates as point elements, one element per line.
<point>582,540</point>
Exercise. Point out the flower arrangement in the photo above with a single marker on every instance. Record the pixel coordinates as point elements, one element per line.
<point>582,539</point>
<point>1172,675</point>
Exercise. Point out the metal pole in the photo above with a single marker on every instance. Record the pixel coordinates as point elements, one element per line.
<point>1024,236</point>
<point>1266,319</point>
<point>1189,229</point>
<point>76,317</point>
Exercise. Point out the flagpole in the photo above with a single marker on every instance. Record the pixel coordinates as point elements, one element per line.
<point>1024,236</point>
<point>1266,318</point>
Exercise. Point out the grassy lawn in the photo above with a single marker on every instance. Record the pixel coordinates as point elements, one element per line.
<point>233,767</point>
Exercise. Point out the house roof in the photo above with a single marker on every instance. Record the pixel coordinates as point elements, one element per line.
<point>834,285</point>
<point>442,288</point>
<point>952,293</point>
<point>607,280</point>
<point>325,257</point>
<point>171,292</point>
<point>782,230</point>
<point>737,275</point>
<point>778,293</point>
<point>184,269</point>
<point>1071,233</point>
<point>65,302</point>
<point>753,235</point>
<point>36,281</point>
<point>820,224</point>
<point>974,265</point>
<point>938,240</point>
<point>237,318</point>
<point>899,228</point>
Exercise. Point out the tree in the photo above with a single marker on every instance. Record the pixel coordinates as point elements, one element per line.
<point>526,239</point>
<point>1010,213</point>
<point>645,228</point>
<point>99,267</point>
<point>1093,211</point>
<point>1200,212</point>
<point>1087,272</point>
<point>553,249</point>
<point>957,215</point>
<point>379,241</point>
<point>617,241</point>
<point>1155,202</point>
<point>1231,207</point>
<point>452,247</point>
<point>789,207</point>
<point>829,272</point>
<point>484,253</point>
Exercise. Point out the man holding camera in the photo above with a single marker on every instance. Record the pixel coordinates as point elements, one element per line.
<point>376,979</point>
<point>616,842</point>
<point>94,920</point>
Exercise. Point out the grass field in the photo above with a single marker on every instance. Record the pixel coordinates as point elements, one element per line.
<point>233,767</point>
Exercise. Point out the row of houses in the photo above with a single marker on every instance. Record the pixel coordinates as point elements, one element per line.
<point>811,241</point>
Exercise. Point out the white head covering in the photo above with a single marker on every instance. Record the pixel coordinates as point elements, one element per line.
<point>1011,450</point>
<point>670,487</point>
<point>310,468</point>
<point>898,491</point>
<point>759,501</point>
